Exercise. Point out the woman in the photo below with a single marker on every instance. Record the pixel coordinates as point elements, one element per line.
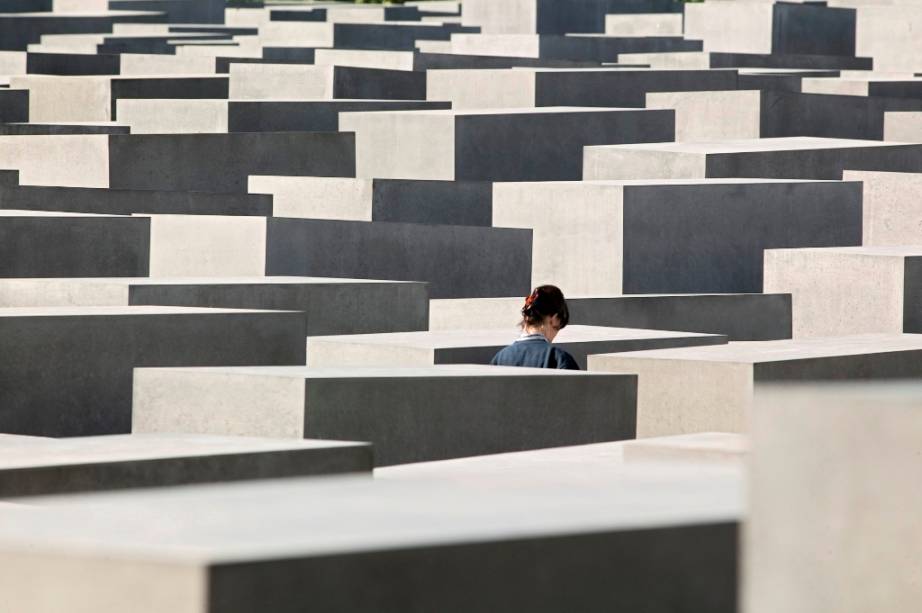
<point>544,315</point>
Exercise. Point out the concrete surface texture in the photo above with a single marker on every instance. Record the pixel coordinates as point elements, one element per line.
<point>419,414</point>
<point>695,389</point>
<point>271,243</point>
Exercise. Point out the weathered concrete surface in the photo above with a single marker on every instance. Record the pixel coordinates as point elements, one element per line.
<point>815,447</point>
<point>98,463</point>
<point>418,414</point>
<point>77,380</point>
<point>892,213</point>
<point>711,115</point>
<point>298,82</point>
<point>740,317</point>
<point>495,145</point>
<point>479,346</point>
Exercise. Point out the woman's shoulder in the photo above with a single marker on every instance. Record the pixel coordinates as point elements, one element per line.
<point>565,360</point>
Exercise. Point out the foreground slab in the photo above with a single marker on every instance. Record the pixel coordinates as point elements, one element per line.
<point>330,306</point>
<point>293,544</point>
<point>669,236</point>
<point>479,346</point>
<point>855,290</point>
<point>802,546</point>
<point>740,317</point>
<point>496,145</point>
<point>782,158</point>
<point>98,463</point>
<point>77,378</point>
<point>417,414</point>
<point>700,389</point>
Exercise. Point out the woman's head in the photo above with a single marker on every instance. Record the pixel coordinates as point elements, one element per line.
<point>545,310</point>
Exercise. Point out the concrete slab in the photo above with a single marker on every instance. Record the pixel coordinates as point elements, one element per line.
<point>701,389</point>
<point>224,246</point>
<point>740,317</point>
<point>813,448</point>
<point>853,290</point>
<point>479,346</point>
<point>329,306</point>
<point>788,158</point>
<point>542,87</point>
<point>97,463</point>
<point>577,47</point>
<point>892,213</point>
<point>644,24</point>
<point>63,128</point>
<point>305,543</point>
<point>595,237</point>
<point>905,126</point>
<point>464,203</point>
<point>41,244</point>
<point>540,16</point>
<point>493,145</point>
<point>711,115</point>
<point>301,82</point>
<point>419,414</point>
<point>77,380</point>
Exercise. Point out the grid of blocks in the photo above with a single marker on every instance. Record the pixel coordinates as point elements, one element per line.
<point>256,257</point>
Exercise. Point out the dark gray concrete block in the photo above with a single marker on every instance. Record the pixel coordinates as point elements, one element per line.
<point>607,48</point>
<point>418,414</point>
<point>168,87</point>
<point>425,61</point>
<point>647,540</point>
<point>440,255</point>
<point>790,61</point>
<point>459,203</point>
<point>715,242</point>
<point>14,105</point>
<point>308,116</point>
<point>222,162</point>
<point>25,129</point>
<point>807,29</point>
<point>68,371</point>
<point>388,13</point>
<point>741,317</point>
<point>392,36</point>
<point>92,464</point>
<point>127,202</point>
<point>73,63</point>
<point>351,82</point>
<point>17,31</point>
<point>177,11</point>
<point>59,245</point>
<point>623,87</point>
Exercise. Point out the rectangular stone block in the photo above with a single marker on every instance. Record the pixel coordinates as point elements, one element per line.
<point>418,414</point>
<point>18,30</point>
<point>222,162</point>
<point>891,212</point>
<point>462,203</point>
<point>479,346</point>
<point>329,306</point>
<point>577,47</point>
<point>856,290</point>
<point>782,158</point>
<point>903,126</point>
<point>77,380</point>
<point>709,389</point>
<point>546,87</point>
<point>644,24</point>
<point>493,145</point>
<point>552,16</point>
<point>99,463</point>
<point>832,497</point>
<point>39,244</point>
<point>14,105</point>
<point>740,317</point>
<point>93,98</point>
<point>72,128</point>
<point>442,256</point>
<point>637,237</point>
<point>300,82</point>
<point>73,160</point>
<point>293,544</point>
<point>711,115</point>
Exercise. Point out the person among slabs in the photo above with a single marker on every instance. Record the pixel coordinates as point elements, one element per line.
<point>544,315</point>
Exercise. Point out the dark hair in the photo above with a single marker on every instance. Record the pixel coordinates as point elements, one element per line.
<point>543,302</point>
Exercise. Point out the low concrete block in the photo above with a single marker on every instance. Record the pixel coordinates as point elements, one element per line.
<point>299,82</point>
<point>419,414</point>
<point>493,145</point>
<point>541,87</point>
<point>711,115</point>
<point>543,17</point>
<point>903,127</point>
<point>575,47</point>
<point>740,317</point>
<point>479,346</point>
<point>813,448</point>
<point>99,463</point>
<point>704,389</point>
<point>782,158</point>
<point>14,105</point>
<point>892,213</point>
<point>37,244</point>
<point>462,203</point>
<point>308,543</point>
<point>855,290</point>
<point>644,24</point>
<point>652,236</point>
<point>329,306</point>
<point>77,380</point>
